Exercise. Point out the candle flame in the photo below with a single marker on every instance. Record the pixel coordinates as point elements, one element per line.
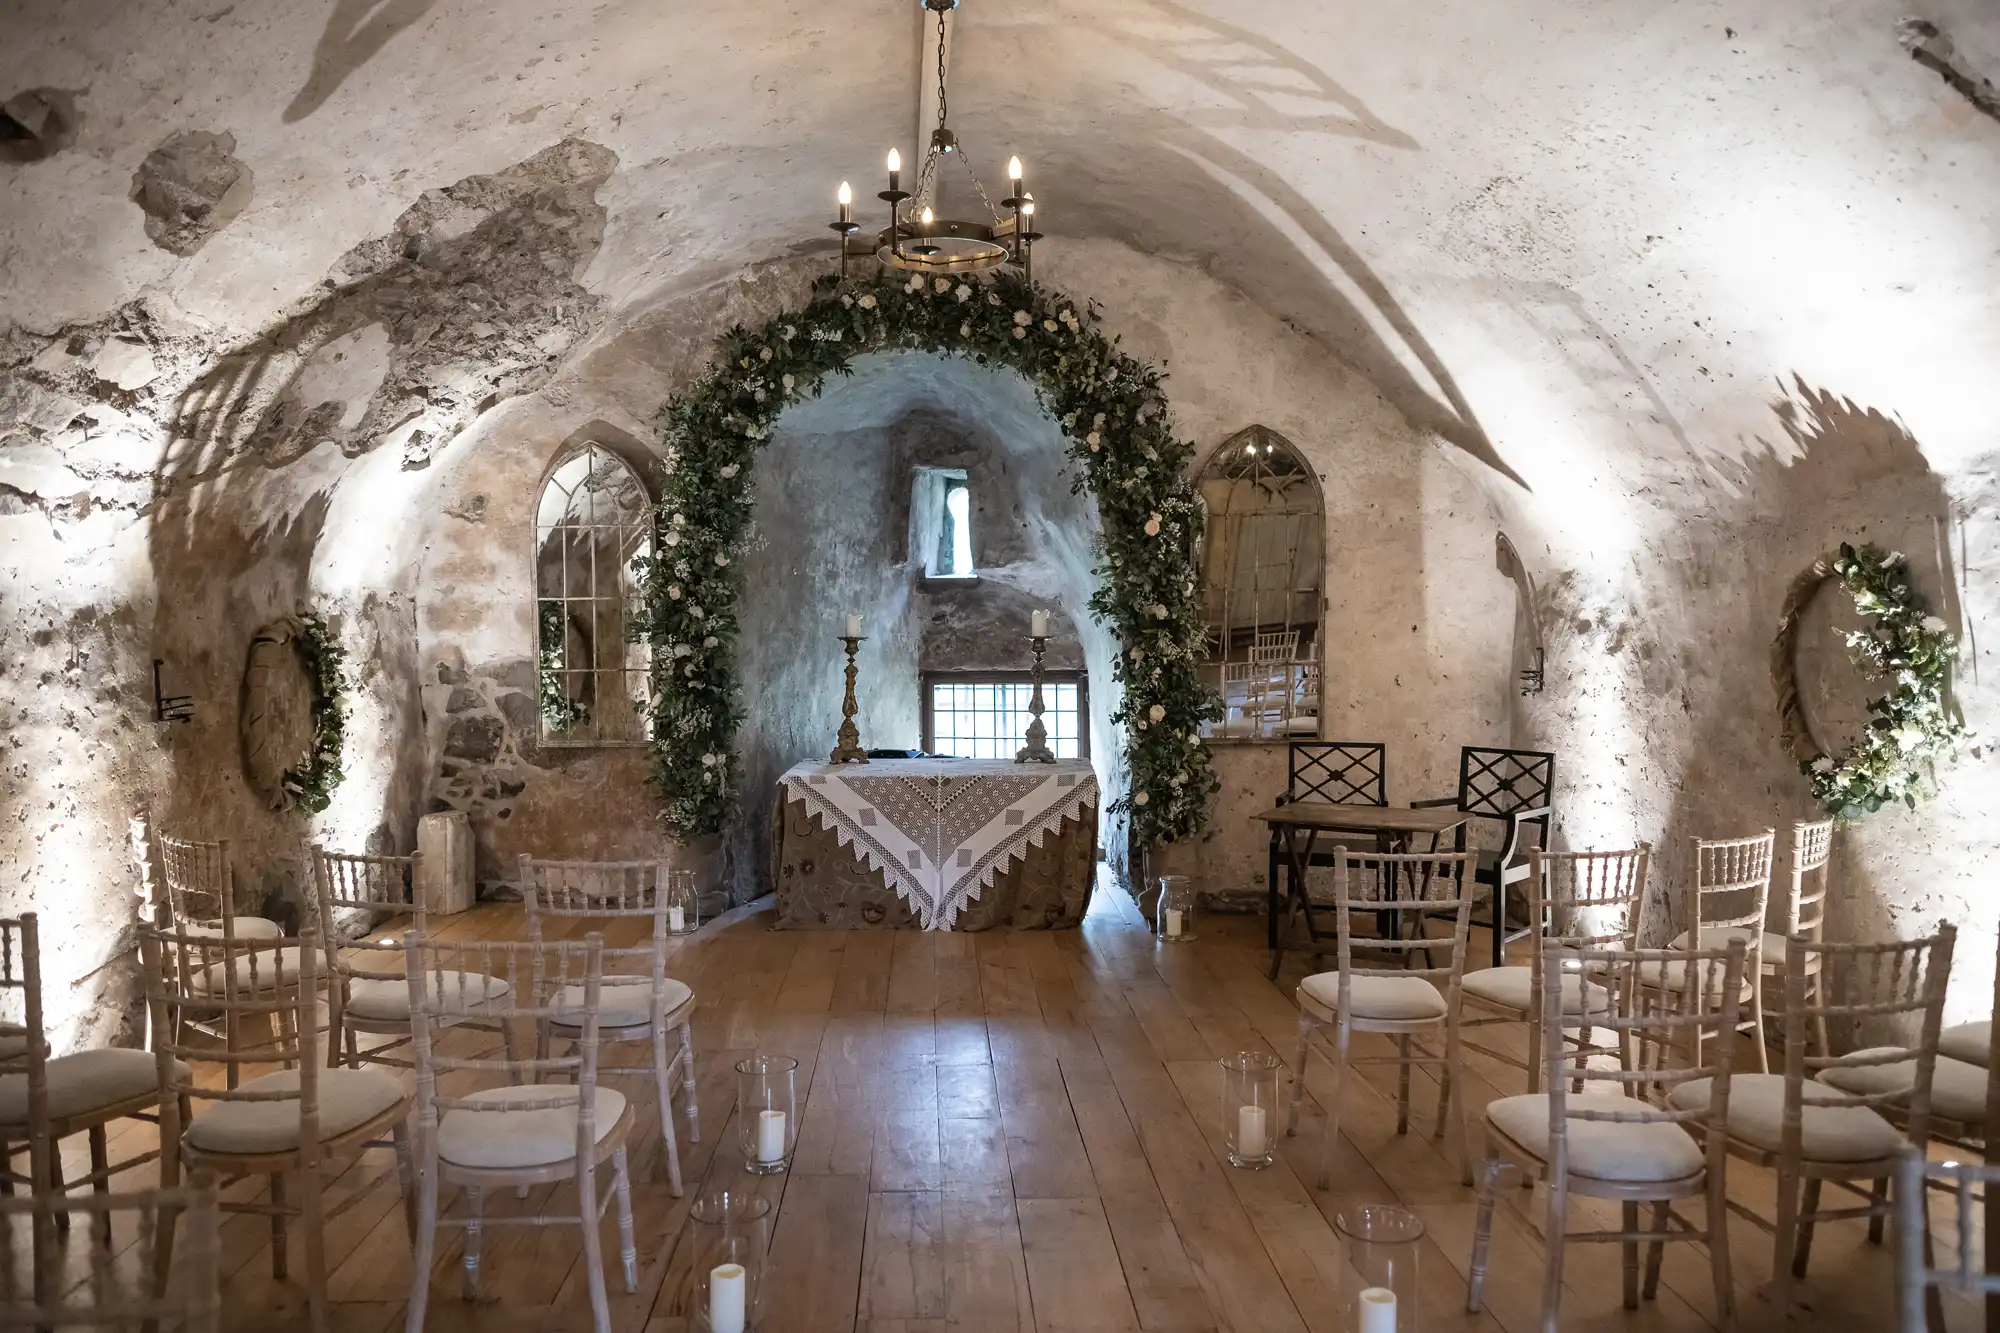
<point>1013,168</point>
<point>846,195</point>
<point>925,217</point>
<point>895,160</point>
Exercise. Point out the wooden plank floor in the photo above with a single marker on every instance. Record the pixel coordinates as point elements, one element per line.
<point>1017,1132</point>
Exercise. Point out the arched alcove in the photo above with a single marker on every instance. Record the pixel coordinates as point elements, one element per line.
<point>835,530</point>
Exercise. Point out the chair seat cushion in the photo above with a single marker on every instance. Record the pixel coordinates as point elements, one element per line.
<point>1958,1090</point>
<point>1773,948</point>
<point>379,999</point>
<point>240,927</point>
<point>502,1139</point>
<point>1674,977</point>
<point>1970,1042</point>
<point>258,972</point>
<point>1514,987</point>
<point>1391,998</point>
<point>348,1099</point>
<point>622,1006</point>
<point>86,1082</point>
<point>1830,1133</point>
<point>1602,1149</point>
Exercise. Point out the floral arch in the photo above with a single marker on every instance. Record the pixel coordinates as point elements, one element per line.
<point>1115,417</point>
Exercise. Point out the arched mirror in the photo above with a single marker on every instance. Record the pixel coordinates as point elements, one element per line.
<point>593,521</point>
<point>1263,566</point>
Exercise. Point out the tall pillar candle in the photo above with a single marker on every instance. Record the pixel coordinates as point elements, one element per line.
<point>770,1136</point>
<point>1253,1135</point>
<point>728,1306</point>
<point>1038,624</point>
<point>1376,1308</point>
<point>853,626</point>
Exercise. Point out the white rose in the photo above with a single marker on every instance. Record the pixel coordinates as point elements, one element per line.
<point>964,293</point>
<point>673,592</point>
<point>965,329</point>
<point>1140,798</point>
<point>679,519</point>
<point>763,354</point>
<point>1023,319</point>
<point>710,641</point>
<point>1020,333</point>
<point>1093,439</point>
<point>1159,611</point>
<point>721,559</point>
<point>1158,712</point>
<point>1049,325</point>
<point>916,283</point>
<point>847,301</point>
<point>942,285</point>
<point>1822,765</point>
<point>868,301</point>
<point>788,382</point>
<point>708,761</point>
<point>682,650</point>
<point>729,471</point>
<point>757,394</point>
<point>1934,625</point>
<point>1153,526</point>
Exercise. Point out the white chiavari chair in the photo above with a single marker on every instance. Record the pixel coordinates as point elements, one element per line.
<point>516,1134</point>
<point>1397,1001</point>
<point>644,1005</point>
<point>1612,1144</point>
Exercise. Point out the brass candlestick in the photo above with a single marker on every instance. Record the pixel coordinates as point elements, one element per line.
<point>1037,749</point>
<point>849,750</point>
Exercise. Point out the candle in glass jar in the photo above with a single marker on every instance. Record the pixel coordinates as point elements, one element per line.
<point>726,1293</point>
<point>1376,1308</point>
<point>1173,923</point>
<point>677,918</point>
<point>1252,1131</point>
<point>770,1136</point>
<point>1038,624</point>
<point>853,626</point>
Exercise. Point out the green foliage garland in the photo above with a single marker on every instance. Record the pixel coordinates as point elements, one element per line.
<point>1910,729</point>
<point>311,785</point>
<point>1121,440</point>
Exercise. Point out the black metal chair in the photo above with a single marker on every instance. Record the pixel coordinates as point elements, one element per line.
<point>1514,788</point>
<point>1336,773</point>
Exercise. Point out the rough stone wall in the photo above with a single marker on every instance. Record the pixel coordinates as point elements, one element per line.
<point>164,492</point>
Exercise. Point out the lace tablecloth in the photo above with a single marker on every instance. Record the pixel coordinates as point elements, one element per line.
<point>939,830</point>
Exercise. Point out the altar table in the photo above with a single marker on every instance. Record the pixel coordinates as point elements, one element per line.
<point>937,844</point>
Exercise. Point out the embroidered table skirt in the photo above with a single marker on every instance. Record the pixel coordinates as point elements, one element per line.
<point>937,844</point>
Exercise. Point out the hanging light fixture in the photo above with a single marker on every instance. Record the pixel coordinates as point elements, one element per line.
<point>920,241</point>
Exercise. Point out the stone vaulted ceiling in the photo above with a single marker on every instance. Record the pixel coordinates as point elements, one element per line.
<point>1588,243</point>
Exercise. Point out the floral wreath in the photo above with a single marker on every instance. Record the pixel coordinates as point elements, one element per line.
<point>1911,729</point>
<point>1112,411</point>
<point>311,784</point>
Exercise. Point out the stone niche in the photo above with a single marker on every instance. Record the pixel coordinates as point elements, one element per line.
<point>840,527</point>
